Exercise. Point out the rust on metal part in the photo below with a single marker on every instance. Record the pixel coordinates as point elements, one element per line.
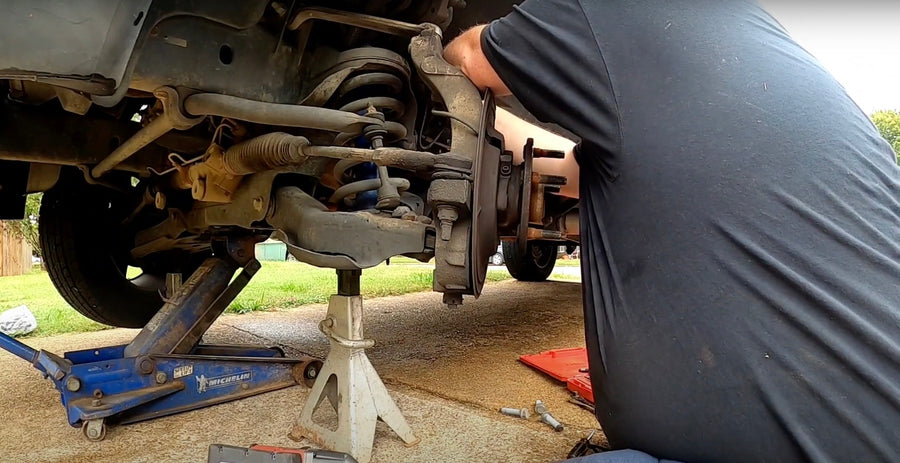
<point>539,234</point>
<point>536,213</point>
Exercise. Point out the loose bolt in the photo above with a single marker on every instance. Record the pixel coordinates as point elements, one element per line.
<point>517,412</point>
<point>551,421</point>
<point>546,417</point>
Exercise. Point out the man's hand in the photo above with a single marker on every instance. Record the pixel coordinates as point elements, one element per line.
<point>465,53</point>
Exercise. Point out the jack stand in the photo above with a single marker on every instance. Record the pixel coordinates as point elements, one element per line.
<point>349,382</point>
<point>165,370</point>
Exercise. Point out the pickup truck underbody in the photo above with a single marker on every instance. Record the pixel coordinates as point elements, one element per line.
<point>158,129</point>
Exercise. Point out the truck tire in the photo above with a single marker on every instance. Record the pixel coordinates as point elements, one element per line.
<point>535,265</point>
<point>86,253</point>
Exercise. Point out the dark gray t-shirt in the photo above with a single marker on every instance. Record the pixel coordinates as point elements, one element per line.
<point>740,229</point>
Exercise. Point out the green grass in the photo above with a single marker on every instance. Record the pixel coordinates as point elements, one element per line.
<point>291,284</point>
<point>277,285</point>
<point>53,314</point>
<point>565,277</point>
<point>568,263</point>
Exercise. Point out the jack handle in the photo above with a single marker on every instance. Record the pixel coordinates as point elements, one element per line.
<point>44,361</point>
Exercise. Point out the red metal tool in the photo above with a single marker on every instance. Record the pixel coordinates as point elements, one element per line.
<point>566,365</point>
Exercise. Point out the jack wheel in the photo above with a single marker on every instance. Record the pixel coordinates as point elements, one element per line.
<point>310,371</point>
<point>94,430</point>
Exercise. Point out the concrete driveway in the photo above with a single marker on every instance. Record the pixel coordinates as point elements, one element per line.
<point>448,370</point>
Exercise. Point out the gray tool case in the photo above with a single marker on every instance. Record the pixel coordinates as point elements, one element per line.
<point>230,454</point>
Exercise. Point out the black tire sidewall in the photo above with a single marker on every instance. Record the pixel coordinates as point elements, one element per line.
<point>80,235</point>
<point>536,264</point>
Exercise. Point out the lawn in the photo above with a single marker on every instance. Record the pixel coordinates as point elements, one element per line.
<point>568,263</point>
<point>277,285</point>
<point>565,277</point>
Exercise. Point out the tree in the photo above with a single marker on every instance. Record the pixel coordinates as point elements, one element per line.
<point>888,123</point>
<point>28,227</point>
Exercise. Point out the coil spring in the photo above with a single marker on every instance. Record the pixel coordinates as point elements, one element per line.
<point>378,89</point>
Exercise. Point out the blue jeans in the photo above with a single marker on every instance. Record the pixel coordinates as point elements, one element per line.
<point>619,456</point>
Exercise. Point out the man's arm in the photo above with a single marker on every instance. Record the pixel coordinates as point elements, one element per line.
<point>517,131</point>
<point>465,53</point>
<point>545,52</point>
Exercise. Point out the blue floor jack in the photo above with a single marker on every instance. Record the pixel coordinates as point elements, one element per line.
<point>165,370</point>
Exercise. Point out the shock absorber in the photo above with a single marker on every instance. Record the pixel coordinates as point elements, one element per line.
<point>375,91</point>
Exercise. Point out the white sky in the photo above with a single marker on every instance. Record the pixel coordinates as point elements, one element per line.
<point>857,41</point>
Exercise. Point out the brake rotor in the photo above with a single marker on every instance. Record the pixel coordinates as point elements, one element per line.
<point>484,235</point>
<point>525,205</point>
